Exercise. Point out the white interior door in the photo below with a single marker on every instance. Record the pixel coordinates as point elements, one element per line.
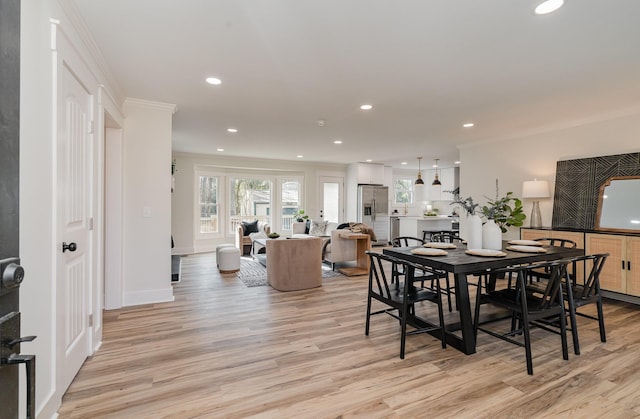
<point>331,202</point>
<point>73,209</point>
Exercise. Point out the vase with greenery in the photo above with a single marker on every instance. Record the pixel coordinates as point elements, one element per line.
<point>505,211</point>
<point>300,216</point>
<point>473,223</point>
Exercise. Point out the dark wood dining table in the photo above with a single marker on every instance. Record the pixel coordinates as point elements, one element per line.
<point>461,264</point>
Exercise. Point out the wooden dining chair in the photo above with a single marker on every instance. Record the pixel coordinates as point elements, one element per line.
<point>400,298</point>
<point>541,274</point>
<point>527,308</point>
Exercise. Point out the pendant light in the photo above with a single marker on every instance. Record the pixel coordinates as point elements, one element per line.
<point>436,181</point>
<point>419,181</point>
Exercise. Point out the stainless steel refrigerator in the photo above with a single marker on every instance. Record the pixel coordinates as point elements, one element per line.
<point>373,210</point>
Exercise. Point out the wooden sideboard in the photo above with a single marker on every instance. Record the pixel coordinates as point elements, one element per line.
<point>620,277</point>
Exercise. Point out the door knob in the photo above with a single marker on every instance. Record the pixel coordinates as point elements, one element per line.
<point>70,247</point>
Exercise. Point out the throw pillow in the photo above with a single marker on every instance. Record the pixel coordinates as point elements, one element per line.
<point>318,228</point>
<point>250,227</point>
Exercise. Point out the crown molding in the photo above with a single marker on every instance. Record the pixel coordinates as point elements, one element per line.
<point>82,30</point>
<point>148,104</point>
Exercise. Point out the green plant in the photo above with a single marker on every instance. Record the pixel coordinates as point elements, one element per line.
<point>506,211</point>
<point>467,204</point>
<point>300,216</point>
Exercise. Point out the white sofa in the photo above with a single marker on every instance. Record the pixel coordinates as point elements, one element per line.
<point>335,248</point>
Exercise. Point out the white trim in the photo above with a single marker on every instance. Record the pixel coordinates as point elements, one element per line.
<point>162,295</point>
<point>148,104</point>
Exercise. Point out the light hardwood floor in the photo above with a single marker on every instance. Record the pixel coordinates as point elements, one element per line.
<point>223,350</point>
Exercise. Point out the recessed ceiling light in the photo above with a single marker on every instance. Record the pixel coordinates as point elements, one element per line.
<point>299,156</point>
<point>233,130</point>
<point>213,80</point>
<point>366,107</point>
<point>221,149</point>
<point>635,221</point>
<point>368,160</point>
<point>337,142</point>
<point>548,6</point>
<point>468,125</point>
<point>404,162</point>
<point>456,162</point>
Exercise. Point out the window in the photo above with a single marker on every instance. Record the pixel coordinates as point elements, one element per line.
<point>208,200</point>
<point>250,199</point>
<point>403,190</point>
<point>289,201</point>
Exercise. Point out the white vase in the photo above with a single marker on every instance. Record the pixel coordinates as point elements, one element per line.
<point>474,232</point>
<point>491,236</point>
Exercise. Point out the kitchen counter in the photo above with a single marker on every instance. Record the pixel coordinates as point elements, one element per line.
<point>414,226</point>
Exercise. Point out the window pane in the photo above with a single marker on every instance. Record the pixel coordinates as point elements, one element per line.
<point>208,204</point>
<point>250,200</point>
<point>290,202</point>
<point>403,191</point>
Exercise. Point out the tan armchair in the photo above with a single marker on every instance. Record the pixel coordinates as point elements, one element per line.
<point>294,264</point>
<point>339,249</point>
<point>244,242</point>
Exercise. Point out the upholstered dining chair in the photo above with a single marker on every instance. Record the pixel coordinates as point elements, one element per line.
<point>400,298</point>
<point>527,308</point>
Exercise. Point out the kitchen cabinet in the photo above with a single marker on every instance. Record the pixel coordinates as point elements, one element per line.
<point>447,177</point>
<point>621,272</point>
<point>369,173</point>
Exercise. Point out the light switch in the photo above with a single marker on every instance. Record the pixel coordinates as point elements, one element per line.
<point>146,212</point>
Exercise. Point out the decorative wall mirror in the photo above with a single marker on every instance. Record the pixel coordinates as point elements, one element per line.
<point>619,205</point>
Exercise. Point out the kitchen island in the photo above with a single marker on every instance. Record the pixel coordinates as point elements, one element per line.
<point>414,226</point>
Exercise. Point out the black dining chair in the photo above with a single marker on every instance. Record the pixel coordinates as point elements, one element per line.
<point>584,291</point>
<point>401,298</point>
<point>441,236</point>
<point>409,241</point>
<point>541,274</point>
<point>527,308</point>
<point>447,237</point>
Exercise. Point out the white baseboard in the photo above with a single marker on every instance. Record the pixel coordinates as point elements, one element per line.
<point>135,298</point>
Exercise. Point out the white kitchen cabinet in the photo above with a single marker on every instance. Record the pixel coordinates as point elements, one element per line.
<point>437,193</point>
<point>370,173</point>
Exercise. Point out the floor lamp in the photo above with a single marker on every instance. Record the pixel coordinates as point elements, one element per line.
<point>535,189</point>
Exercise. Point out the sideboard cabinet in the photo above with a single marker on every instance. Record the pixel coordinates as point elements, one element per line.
<point>621,272</point>
<point>620,275</point>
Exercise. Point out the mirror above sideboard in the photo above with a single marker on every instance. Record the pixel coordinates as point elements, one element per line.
<point>619,204</point>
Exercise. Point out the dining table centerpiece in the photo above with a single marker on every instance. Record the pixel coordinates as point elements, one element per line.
<point>500,213</point>
<point>472,224</point>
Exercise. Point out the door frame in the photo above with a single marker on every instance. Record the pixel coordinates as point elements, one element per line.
<point>332,178</point>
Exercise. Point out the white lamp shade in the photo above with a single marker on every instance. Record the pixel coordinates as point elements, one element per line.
<point>535,189</point>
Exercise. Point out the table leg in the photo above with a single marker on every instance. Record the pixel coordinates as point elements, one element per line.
<point>464,309</point>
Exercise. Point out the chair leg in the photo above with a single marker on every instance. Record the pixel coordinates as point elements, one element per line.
<point>366,327</point>
<point>603,336</point>
<point>572,317</point>
<point>446,280</point>
<point>527,343</point>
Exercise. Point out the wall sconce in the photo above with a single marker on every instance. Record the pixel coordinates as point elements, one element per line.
<point>535,189</point>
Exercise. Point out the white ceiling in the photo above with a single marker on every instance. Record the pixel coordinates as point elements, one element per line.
<point>426,65</point>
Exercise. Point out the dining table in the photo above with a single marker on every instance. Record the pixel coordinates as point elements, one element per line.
<point>460,264</point>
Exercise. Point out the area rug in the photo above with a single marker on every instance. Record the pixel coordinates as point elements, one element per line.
<point>254,274</point>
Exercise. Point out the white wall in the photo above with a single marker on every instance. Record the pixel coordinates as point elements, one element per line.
<point>183,198</point>
<point>147,202</point>
<point>515,160</point>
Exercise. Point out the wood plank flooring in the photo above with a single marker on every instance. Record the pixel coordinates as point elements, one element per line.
<point>223,350</point>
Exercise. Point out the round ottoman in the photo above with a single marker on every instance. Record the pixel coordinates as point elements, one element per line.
<point>220,247</point>
<point>229,260</point>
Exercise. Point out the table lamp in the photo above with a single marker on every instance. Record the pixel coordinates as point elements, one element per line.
<point>535,189</point>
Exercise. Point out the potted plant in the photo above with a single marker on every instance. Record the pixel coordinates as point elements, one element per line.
<point>473,224</point>
<point>300,216</point>
<point>506,211</point>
